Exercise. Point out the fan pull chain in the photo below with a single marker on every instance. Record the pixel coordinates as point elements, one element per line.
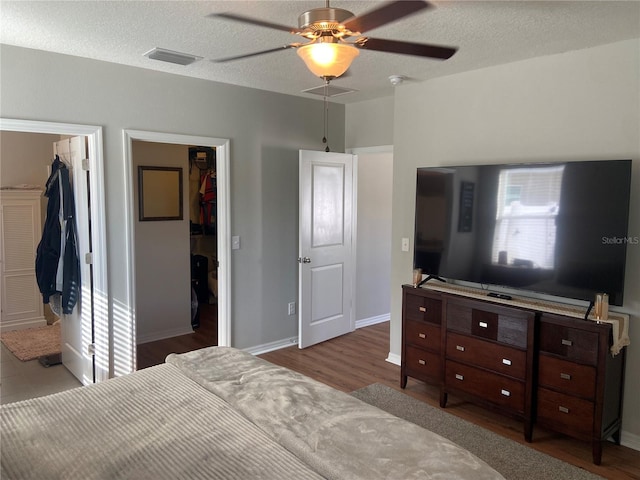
<point>326,115</point>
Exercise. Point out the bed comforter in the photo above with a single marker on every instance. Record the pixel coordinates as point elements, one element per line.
<point>219,413</point>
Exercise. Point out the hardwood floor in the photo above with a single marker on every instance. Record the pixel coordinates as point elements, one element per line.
<point>358,359</point>
<point>206,335</point>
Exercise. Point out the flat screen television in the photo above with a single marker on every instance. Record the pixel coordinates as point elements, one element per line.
<point>559,229</point>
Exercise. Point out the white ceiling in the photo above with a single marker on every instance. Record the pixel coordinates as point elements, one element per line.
<point>486,33</point>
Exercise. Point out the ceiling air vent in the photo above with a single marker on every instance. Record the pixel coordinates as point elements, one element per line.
<point>331,91</point>
<point>164,55</point>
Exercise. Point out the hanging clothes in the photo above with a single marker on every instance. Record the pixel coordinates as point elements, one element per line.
<point>208,201</point>
<point>57,262</point>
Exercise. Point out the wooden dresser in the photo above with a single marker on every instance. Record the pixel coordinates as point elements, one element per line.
<point>489,356</point>
<point>421,335</point>
<point>579,383</point>
<point>546,368</point>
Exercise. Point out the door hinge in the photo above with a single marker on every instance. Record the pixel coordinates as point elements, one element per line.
<point>91,349</point>
<point>85,164</point>
<point>88,258</point>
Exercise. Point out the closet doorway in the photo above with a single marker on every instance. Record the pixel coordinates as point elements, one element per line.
<point>203,219</point>
<point>160,251</point>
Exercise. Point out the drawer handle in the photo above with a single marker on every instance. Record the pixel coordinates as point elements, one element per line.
<point>565,376</point>
<point>483,324</point>
<point>422,362</point>
<point>422,335</point>
<point>506,393</point>
<point>460,347</point>
<point>563,409</point>
<point>423,309</point>
<point>568,343</point>
<point>506,361</point>
<point>459,377</point>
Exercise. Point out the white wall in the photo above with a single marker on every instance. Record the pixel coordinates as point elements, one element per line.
<point>266,131</point>
<point>577,105</point>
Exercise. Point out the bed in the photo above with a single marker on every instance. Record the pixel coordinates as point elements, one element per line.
<point>220,413</point>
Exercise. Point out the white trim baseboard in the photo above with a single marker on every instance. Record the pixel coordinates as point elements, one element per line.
<point>394,358</point>
<point>630,440</point>
<point>366,322</point>
<point>162,334</point>
<point>271,346</point>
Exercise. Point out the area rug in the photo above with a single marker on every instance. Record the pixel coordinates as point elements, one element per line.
<point>513,460</point>
<point>31,343</point>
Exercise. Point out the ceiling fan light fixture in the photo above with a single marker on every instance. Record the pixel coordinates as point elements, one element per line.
<point>328,59</point>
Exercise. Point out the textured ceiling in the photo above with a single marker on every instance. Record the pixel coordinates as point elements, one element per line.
<point>486,33</point>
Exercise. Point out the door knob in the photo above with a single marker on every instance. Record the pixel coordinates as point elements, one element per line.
<point>304,260</point>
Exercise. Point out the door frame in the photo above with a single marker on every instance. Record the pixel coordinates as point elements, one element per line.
<point>222,220</point>
<point>101,323</point>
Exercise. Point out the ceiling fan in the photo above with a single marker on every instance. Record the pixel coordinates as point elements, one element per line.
<point>328,53</point>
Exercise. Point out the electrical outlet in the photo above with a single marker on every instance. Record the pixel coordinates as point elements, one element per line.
<point>292,308</point>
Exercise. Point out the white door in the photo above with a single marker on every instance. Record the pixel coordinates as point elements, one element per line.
<point>325,246</point>
<point>77,327</point>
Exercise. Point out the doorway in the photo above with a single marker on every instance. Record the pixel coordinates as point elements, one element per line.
<point>138,291</point>
<point>94,165</point>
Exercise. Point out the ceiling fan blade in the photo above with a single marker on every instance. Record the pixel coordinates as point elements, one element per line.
<point>388,13</point>
<point>407,48</point>
<point>254,21</point>
<point>262,52</point>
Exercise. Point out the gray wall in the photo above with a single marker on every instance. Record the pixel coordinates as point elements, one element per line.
<point>162,262</point>
<point>369,123</point>
<point>578,105</point>
<point>266,131</point>
<point>373,248</point>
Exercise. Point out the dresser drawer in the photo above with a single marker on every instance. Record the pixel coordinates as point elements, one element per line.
<point>494,388</point>
<point>499,358</point>
<point>567,377</point>
<point>422,334</point>
<point>421,364</point>
<point>565,413</point>
<point>571,343</point>
<point>420,308</point>
<point>504,325</point>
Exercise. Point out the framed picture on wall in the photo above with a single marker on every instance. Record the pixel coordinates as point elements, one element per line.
<point>159,193</point>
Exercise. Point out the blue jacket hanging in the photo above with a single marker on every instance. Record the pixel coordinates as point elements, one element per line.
<point>57,262</point>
